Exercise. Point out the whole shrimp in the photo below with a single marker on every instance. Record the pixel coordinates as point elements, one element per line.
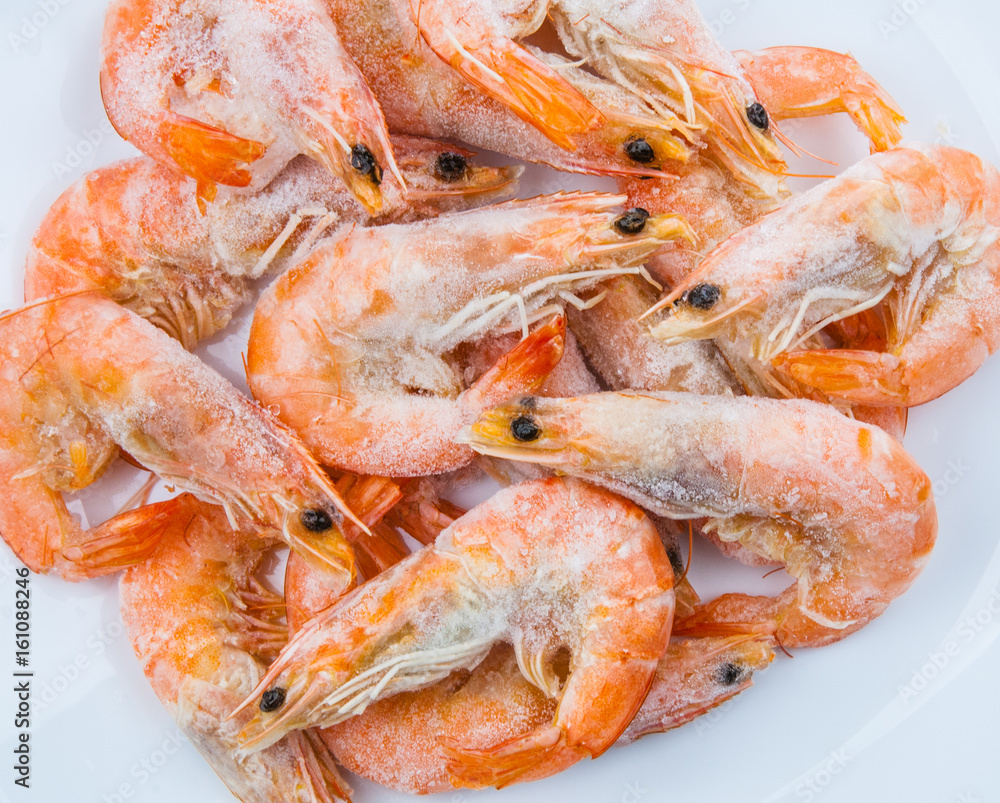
<point>910,234</point>
<point>205,644</point>
<point>83,377</point>
<point>420,95</point>
<point>133,230</point>
<point>352,345</point>
<point>228,91</point>
<point>839,504</point>
<point>575,578</point>
<point>406,741</point>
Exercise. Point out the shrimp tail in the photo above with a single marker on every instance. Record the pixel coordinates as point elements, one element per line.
<point>380,551</point>
<point>209,154</point>
<point>523,369</point>
<point>506,763</point>
<point>861,377</point>
<point>125,540</point>
<point>509,74</point>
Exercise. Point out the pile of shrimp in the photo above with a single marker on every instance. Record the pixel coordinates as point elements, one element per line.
<point>703,351</point>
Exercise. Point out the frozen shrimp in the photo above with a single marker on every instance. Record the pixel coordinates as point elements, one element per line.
<point>352,346</point>
<point>839,504</point>
<point>406,741</point>
<point>133,231</point>
<point>909,234</point>
<point>84,377</point>
<point>205,644</point>
<point>573,577</point>
<point>229,91</point>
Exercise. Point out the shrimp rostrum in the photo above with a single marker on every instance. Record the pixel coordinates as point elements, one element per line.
<point>205,643</point>
<point>573,577</point>
<point>839,504</point>
<point>353,345</point>
<point>910,234</point>
<point>83,377</point>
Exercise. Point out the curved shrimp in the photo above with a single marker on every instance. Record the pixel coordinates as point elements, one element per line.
<point>406,742</point>
<point>133,231</point>
<point>353,344</point>
<point>83,377</point>
<point>910,234</point>
<point>839,504</point>
<point>228,91</point>
<point>420,95</point>
<point>205,643</point>
<point>575,578</point>
<point>477,40</point>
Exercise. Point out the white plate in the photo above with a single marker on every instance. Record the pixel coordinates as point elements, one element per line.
<point>904,710</point>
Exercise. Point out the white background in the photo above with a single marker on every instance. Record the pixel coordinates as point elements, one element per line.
<point>836,724</point>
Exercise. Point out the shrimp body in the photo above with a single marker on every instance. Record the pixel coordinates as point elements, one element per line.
<point>573,577</point>
<point>133,230</point>
<point>204,645</point>
<point>228,91</point>
<point>353,345</point>
<point>910,234</point>
<point>83,377</point>
<point>839,504</point>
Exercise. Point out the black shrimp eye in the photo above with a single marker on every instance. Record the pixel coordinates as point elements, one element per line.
<point>524,429</point>
<point>364,162</point>
<point>757,115</point>
<point>272,699</point>
<point>633,221</point>
<point>316,520</point>
<point>729,674</point>
<point>450,166</point>
<point>640,151</point>
<point>703,296</point>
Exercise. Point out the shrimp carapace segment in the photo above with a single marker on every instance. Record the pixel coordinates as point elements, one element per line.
<point>570,575</point>
<point>839,504</point>
<point>357,346</point>
<point>229,91</point>
<point>85,377</point>
<point>909,236</point>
